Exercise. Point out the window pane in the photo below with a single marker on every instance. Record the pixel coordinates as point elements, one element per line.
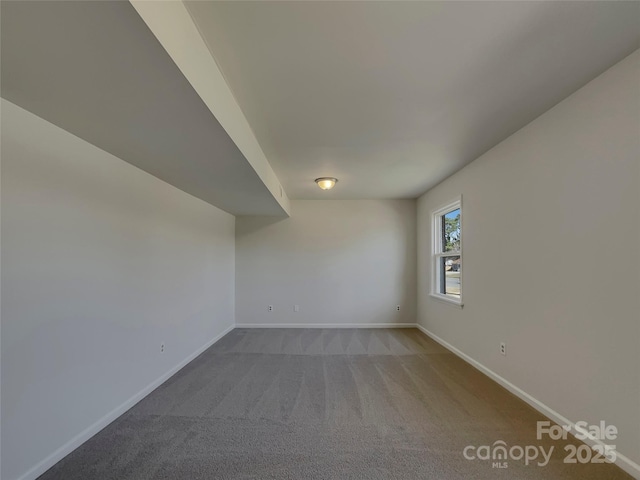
<point>450,270</point>
<point>451,231</point>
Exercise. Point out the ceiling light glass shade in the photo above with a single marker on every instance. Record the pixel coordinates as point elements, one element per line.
<point>326,183</point>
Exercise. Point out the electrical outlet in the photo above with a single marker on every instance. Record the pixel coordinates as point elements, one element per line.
<point>270,308</point>
<point>162,348</point>
<point>296,308</point>
<point>398,308</point>
<point>503,348</point>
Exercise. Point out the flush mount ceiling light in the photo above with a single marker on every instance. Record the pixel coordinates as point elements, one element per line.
<point>326,183</point>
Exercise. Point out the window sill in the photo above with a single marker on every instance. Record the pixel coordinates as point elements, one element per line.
<point>451,301</point>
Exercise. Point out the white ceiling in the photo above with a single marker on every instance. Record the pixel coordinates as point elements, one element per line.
<point>390,97</point>
<point>393,97</point>
<point>96,70</point>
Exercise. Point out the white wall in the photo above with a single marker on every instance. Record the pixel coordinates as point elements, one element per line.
<point>101,263</point>
<point>343,261</point>
<point>551,263</point>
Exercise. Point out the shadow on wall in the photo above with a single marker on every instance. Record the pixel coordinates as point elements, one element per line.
<point>255,224</point>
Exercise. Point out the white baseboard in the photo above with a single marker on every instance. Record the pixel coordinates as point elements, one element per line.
<point>93,429</point>
<point>622,461</point>
<point>326,325</point>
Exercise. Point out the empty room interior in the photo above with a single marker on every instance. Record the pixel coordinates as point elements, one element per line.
<point>320,240</point>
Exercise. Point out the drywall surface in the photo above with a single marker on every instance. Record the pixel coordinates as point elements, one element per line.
<point>550,257</point>
<point>344,262</point>
<point>101,264</point>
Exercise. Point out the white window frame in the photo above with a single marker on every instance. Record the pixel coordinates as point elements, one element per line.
<point>438,252</point>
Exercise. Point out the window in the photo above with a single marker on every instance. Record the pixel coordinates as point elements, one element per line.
<point>447,253</point>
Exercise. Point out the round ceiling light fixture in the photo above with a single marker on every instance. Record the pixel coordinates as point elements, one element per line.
<point>326,183</point>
